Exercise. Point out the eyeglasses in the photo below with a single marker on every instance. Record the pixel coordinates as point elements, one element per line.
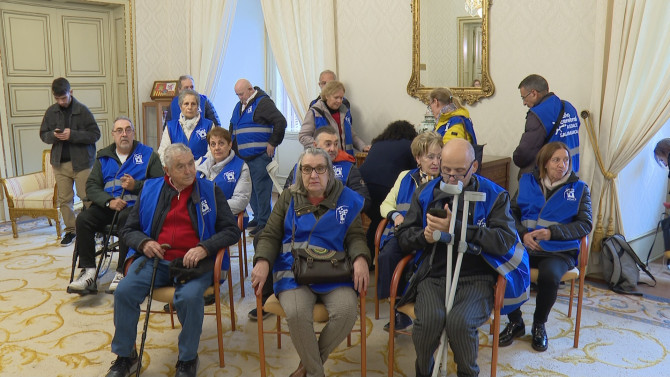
<point>307,170</point>
<point>121,131</point>
<point>458,176</point>
<point>527,94</point>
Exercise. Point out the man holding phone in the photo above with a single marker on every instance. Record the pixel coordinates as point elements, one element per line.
<point>493,248</point>
<point>71,129</point>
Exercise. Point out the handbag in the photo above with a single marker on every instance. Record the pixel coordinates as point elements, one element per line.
<point>180,274</point>
<point>316,266</point>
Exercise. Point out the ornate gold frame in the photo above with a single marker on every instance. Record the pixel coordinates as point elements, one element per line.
<point>467,94</point>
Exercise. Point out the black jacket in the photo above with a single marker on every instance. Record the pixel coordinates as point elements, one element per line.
<point>84,132</point>
<point>227,232</point>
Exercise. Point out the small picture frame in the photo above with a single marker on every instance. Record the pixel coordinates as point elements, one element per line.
<point>164,90</point>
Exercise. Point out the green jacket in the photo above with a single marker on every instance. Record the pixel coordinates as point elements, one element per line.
<point>270,241</point>
<point>95,186</point>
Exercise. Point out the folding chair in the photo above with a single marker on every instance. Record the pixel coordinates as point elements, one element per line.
<point>166,294</point>
<point>577,273</point>
<point>494,330</point>
<point>273,306</point>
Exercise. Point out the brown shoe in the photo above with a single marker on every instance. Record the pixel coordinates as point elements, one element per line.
<point>300,372</point>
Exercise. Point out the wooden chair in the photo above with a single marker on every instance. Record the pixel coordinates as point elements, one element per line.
<point>33,195</point>
<point>166,294</point>
<point>273,306</point>
<point>499,296</point>
<point>378,237</point>
<point>241,251</point>
<point>577,273</point>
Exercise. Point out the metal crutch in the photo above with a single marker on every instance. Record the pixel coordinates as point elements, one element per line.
<point>146,318</point>
<point>469,196</point>
<point>108,236</point>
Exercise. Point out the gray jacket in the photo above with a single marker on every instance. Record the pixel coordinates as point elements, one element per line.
<point>84,132</point>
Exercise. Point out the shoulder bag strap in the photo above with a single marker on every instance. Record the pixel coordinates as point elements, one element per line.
<point>556,123</point>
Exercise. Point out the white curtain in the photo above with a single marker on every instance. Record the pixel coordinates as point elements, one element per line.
<point>302,38</point>
<point>211,23</point>
<point>630,101</point>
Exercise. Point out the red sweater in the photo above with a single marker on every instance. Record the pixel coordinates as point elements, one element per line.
<point>178,231</point>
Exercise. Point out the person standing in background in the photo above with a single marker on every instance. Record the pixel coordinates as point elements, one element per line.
<point>548,119</point>
<point>72,130</point>
<point>206,107</point>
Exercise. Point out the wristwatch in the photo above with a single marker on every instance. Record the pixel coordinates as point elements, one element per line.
<point>107,204</point>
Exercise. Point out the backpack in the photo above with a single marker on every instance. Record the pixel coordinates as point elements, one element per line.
<point>621,266</point>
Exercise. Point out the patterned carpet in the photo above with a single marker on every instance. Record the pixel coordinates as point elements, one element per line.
<point>46,332</point>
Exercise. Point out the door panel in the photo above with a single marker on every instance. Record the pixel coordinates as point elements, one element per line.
<point>84,46</point>
<point>27,44</point>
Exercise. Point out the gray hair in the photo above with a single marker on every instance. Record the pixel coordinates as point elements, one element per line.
<point>172,150</point>
<point>123,117</point>
<point>328,71</point>
<point>189,92</point>
<point>299,186</point>
<point>184,77</point>
<point>535,82</point>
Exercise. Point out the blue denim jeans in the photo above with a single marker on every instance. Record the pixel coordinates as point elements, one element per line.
<point>188,301</point>
<point>261,189</point>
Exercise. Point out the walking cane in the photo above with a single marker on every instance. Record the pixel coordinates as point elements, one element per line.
<point>450,293</point>
<point>146,318</point>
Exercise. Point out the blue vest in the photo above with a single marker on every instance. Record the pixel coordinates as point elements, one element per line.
<point>175,110</point>
<point>459,119</point>
<point>136,165</point>
<point>568,131</point>
<point>561,208</point>
<point>513,265</point>
<point>327,232</point>
<point>206,210</point>
<point>198,141</point>
<point>321,121</point>
<point>407,187</point>
<point>227,181</point>
<point>252,138</point>
<point>341,168</point>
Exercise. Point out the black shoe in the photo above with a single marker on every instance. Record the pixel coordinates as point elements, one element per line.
<point>540,340</point>
<point>253,314</point>
<point>255,231</point>
<point>209,300</point>
<point>68,238</point>
<point>187,368</point>
<point>123,366</point>
<point>402,322</point>
<point>511,331</point>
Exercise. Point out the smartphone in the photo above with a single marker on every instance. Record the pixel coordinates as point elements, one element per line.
<point>438,212</point>
<point>58,130</point>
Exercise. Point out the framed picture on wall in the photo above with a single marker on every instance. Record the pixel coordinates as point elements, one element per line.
<point>164,90</point>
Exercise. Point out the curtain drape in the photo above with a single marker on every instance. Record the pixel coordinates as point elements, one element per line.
<point>302,38</point>
<point>630,101</point>
<point>211,24</point>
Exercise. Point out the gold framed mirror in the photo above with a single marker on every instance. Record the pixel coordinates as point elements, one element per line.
<point>450,49</point>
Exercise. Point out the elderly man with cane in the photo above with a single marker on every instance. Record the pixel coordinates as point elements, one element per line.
<point>490,247</point>
<point>115,181</point>
<point>178,219</point>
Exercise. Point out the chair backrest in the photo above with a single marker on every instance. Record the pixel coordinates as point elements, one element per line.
<point>48,169</point>
<point>272,169</point>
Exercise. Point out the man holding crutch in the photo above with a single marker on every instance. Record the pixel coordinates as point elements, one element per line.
<point>493,247</point>
<point>116,179</point>
<point>176,216</point>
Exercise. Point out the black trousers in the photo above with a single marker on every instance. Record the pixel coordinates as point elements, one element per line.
<point>389,257</point>
<point>88,223</point>
<point>550,271</point>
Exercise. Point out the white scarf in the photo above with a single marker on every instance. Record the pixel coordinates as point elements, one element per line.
<point>547,186</point>
<point>188,125</point>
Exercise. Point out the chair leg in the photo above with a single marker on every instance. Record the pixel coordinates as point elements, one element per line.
<point>239,253</point>
<point>278,330</point>
<point>494,346</point>
<point>231,302</point>
<point>391,354</point>
<point>171,314</point>
<point>572,295</point>
<point>15,230</point>
<point>244,245</point>
<point>580,298</point>
<point>376,288</point>
<point>364,335</point>
<point>261,340</point>
<point>219,326</point>
<point>58,229</point>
